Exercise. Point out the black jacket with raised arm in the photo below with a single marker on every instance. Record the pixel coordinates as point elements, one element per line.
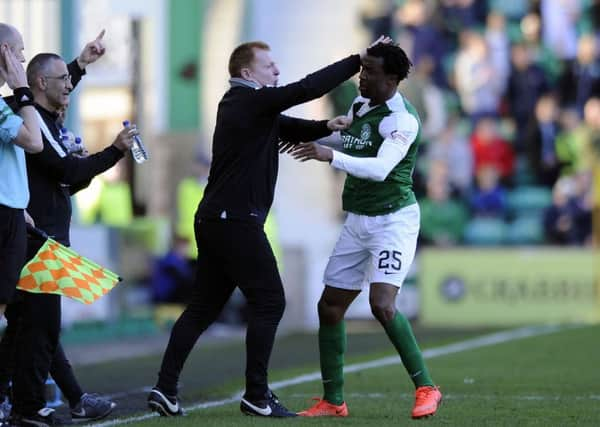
<point>245,157</point>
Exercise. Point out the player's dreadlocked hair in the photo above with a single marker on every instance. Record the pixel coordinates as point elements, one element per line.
<point>395,60</point>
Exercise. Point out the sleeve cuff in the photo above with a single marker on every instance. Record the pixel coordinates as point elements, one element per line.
<point>77,68</point>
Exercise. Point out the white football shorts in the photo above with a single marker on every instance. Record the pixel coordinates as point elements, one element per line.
<point>374,249</point>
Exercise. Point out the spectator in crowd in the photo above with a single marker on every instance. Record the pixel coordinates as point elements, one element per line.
<point>452,148</point>
<point>427,98</point>
<point>478,84</point>
<point>575,148</point>
<point>566,221</point>
<point>527,82</point>
<point>415,29</point>
<point>580,79</point>
<point>490,149</point>
<point>540,53</point>
<point>443,219</point>
<point>498,45</point>
<point>172,274</point>
<point>540,139</point>
<point>559,26</point>
<point>189,192</point>
<point>377,16</point>
<point>571,142</point>
<point>488,198</point>
<point>460,14</point>
<point>107,200</point>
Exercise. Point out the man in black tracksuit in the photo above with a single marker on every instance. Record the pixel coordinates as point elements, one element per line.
<point>54,175</point>
<point>232,247</point>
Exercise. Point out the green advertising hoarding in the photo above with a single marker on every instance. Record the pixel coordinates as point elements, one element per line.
<point>470,287</point>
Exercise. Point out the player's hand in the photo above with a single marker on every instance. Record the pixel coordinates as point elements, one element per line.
<point>339,123</point>
<point>92,51</point>
<point>286,147</point>
<point>124,139</point>
<point>312,151</point>
<point>381,39</point>
<point>11,70</point>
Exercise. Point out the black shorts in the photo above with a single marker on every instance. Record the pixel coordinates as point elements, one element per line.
<point>13,244</point>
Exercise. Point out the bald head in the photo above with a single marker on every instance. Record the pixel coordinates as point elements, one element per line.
<point>8,33</point>
<point>11,37</point>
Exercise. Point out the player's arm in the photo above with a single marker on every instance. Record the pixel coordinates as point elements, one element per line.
<point>392,151</point>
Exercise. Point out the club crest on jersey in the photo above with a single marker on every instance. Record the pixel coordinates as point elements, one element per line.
<point>365,132</point>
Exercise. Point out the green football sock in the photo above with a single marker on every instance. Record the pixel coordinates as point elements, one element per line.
<point>332,346</point>
<point>400,333</point>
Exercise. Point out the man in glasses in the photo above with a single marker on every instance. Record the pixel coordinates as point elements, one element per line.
<point>54,175</point>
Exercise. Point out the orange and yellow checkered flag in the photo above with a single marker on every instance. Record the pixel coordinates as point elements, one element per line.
<point>56,269</point>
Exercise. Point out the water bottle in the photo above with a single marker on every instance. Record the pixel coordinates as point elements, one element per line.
<point>138,150</point>
<point>72,143</point>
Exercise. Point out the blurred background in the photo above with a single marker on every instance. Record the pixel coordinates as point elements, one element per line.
<point>508,176</point>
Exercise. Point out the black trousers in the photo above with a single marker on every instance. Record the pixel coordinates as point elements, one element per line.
<point>12,250</point>
<point>37,345</point>
<point>230,254</point>
<point>60,367</point>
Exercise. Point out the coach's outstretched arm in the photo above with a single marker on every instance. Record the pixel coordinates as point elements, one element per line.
<point>315,85</point>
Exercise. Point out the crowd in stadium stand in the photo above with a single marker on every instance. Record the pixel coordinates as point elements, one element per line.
<point>509,96</point>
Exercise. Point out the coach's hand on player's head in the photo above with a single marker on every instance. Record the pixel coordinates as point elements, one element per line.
<point>92,51</point>
<point>381,39</point>
<point>312,151</point>
<point>339,123</point>
<point>124,139</point>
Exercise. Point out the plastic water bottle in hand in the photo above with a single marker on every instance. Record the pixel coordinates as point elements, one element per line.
<point>71,142</point>
<point>138,151</point>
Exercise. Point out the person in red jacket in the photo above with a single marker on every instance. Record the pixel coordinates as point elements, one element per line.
<point>490,149</point>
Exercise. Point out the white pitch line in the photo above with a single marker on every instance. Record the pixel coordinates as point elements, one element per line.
<point>470,344</point>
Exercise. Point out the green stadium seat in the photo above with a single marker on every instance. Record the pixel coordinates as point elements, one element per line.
<point>526,229</point>
<point>528,200</point>
<point>523,175</point>
<point>485,231</point>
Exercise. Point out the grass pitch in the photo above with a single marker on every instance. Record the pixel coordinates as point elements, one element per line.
<point>546,380</point>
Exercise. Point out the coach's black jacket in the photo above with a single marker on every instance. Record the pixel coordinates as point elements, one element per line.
<point>245,155</point>
<point>54,175</point>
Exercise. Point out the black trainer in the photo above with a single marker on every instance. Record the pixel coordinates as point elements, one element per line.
<point>45,417</point>
<point>269,406</point>
<point>91,407</point>
<point>166,406</point>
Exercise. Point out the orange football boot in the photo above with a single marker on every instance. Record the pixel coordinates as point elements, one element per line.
<point>427,401</point>
<point>325,409</point>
